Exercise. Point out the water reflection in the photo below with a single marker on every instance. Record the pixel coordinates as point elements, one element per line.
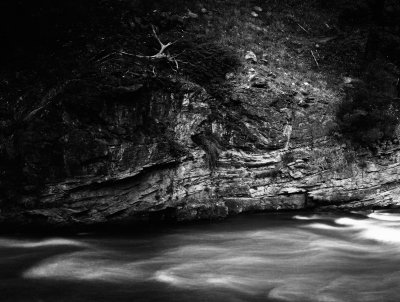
<point>319,257</point>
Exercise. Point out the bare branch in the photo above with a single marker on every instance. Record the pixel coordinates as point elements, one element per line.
<point>303,28</point>
<point>160,54</point>
<point>128,54</point>
<point>315,59</point>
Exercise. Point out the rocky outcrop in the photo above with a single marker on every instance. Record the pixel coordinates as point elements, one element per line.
<point>173,152</point>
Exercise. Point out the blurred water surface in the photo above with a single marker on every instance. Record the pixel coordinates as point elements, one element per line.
<point>263,257</point>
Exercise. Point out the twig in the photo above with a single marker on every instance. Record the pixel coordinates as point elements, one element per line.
<point>327,39</point>
<point>160,54</point>
<point>121,52</point>
<point>105,57</point>
<point>303,28</point>
<point>176,64</point>
<point>315,59</point>
<point>48,98</point>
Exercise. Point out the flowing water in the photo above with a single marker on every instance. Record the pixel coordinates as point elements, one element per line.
<point>265,257</point>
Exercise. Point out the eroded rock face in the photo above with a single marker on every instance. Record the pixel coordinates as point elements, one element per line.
<point>93,155</point>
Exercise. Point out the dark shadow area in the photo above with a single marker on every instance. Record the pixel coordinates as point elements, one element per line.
<point>369,114</point>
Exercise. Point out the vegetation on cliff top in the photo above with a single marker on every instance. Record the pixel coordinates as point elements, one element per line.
<point>46,44</point>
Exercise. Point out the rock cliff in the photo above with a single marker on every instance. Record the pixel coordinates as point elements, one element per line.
<point>147,153</point>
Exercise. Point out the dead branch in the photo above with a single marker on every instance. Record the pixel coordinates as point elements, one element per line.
<point>160,54</point>
<point>176,64</point>
<point>121,52</point>
<point>105,57</point>
<point>315,59</point>
<point>48,99</point>
<point>303,28</point>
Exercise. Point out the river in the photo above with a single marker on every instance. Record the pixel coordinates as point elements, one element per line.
<point>261,257</point>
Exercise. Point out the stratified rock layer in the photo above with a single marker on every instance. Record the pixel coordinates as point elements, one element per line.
<point>172,152</point>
